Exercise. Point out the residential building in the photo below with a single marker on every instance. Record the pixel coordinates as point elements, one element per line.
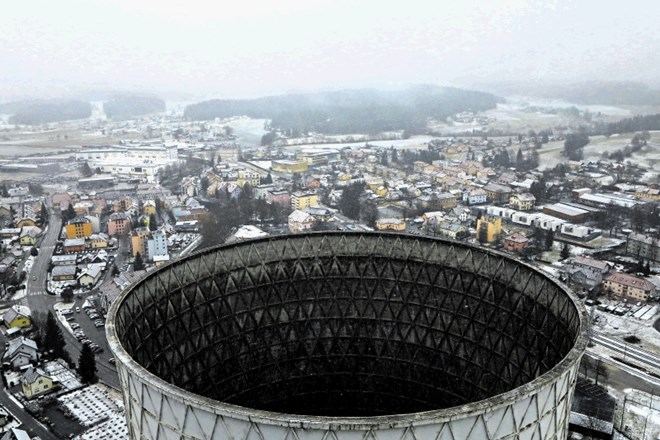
<point>629,286</point>
<point>391,224</point>
<point>652,194</point>
<point>488,228</point>
<point>302,200</point>
<point>74,245</point>
<point>79,227</point>
<point>585,271</point>
<point>29,237</point>
<point>300,221</point>
<point>122,204</point>
<point>447,200</point>
<point>35,382</point>
<point>516,242</point>
<point>643,246</point>
<point>261,191</point>
<point>64,260</point>
<point>149,207</point>
<point>119,223</point>
<point>91,275</point>
<point>20,352</point>
<point>475,196</point>
<point>63,273</point>
<point>522,201</point>
<point>498,194</point>
<point>157,247</point>
<point>17,317</point>
<point>450,230</point>
<point>139,239</point>
<point>98,241</point>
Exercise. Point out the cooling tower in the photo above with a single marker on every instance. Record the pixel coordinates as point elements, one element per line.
<point>332,336</point>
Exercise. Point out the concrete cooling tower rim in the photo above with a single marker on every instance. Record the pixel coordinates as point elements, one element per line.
<point>351,423</point>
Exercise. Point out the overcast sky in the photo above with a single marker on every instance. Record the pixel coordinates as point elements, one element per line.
<point>249,48</point>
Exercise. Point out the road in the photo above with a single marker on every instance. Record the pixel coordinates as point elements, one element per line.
<point>39,300</point>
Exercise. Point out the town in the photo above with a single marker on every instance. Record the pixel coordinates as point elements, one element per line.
<point>80,225</point>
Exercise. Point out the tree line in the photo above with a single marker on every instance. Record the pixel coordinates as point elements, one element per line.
<point>34,112</point>
<point>350,111</point>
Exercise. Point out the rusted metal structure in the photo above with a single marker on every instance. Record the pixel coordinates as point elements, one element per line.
<point>347,336</point>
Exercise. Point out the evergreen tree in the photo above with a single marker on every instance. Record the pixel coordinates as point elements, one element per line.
<point>67,294</point>
<point>349,204</point>
<point>383,159</point>
<point>85,170</point>
<point>395,156</point>
<point>369,214</point>
<point>153,224</point>
<point>267,180</point>
<point>70,213</point>
<point>54,338</point>
<point>519,158</point>
<point>138,264</point>
<point>549,239</point>
<point>87,366</point>
<point>43,214</point>
<point>565,252</point>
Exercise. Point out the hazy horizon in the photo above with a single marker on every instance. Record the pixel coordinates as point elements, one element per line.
<point>255,48</point>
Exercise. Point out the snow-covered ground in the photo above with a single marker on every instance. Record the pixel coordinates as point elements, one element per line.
<point>92,405</point>
<point>638,416</point>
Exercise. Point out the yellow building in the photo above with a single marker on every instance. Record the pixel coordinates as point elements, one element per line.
<point>302,200</point>
<point>139,238</point>
<point>17,317</point>
<point>29,237</point>
<point>149,207</point>
<point>98,241</point>
<point>381,191</point>
<point>648,194</point>
<point>79,228</point>
<point>489,228</point>
<point>35,382</point>
<point>390,224</point>
<point>630,286</point>
<point>289,166</point>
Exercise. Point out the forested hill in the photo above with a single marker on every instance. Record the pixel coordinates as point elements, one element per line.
<point>131,106</point>
<point>35,112</point>
<point>350,111</point>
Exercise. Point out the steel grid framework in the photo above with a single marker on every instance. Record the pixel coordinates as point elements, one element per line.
<point>382,335</point>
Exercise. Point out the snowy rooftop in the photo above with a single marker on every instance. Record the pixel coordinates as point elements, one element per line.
<point>58,371</point>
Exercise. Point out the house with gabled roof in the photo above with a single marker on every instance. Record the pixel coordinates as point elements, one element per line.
<point>91,275</point>
<point>300,221</point>
<point>20,352</point>
<point>630,286</point>
<point>36,382</point>
<point>17,316</point>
